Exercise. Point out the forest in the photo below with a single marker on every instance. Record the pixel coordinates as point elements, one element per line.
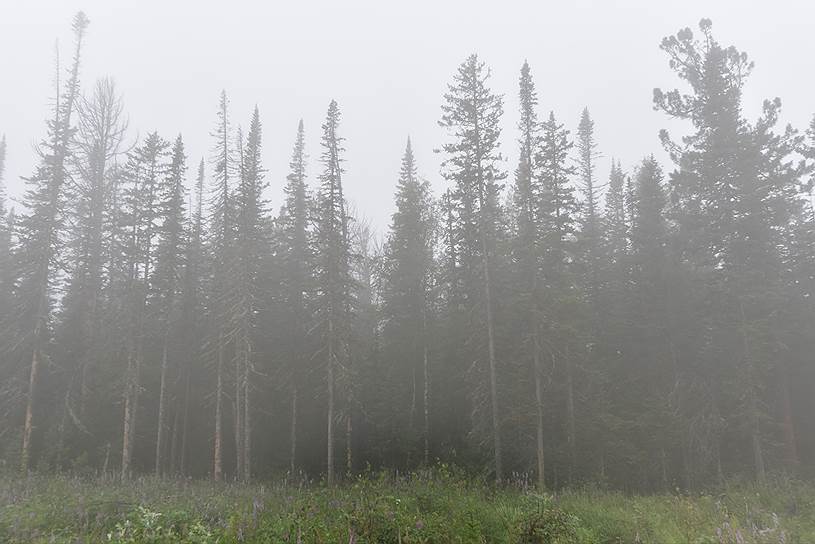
<point>550,324</point>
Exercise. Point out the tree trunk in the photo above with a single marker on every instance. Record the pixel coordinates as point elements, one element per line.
<point>238,417</point>
<point>496,420</point>
<point>330,384</point>
<point>293,439</point>
<point>128,419</point>
<point>217,469</point>
<point>185,425</point>
<point>570,437</point>
<point>349,461</point>
<point>247,427</point>
<point>162,401</point>
<point>173,467</point>
<point>538,371</point>
<point>755,421</point>
<point>28,428</point>
<point>426,384</point>
<point>788,425</point>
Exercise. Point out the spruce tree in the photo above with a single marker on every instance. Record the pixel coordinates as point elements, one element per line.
<point>166,281</point>
<point>147,168</point>
<point>333,271</point>
<point>558,212</point>
<point>528,250</point>
<point>251,245</point>
<point>407,266</point>
<point>471,113</point>
<point>296,281</point>
<point>221,244</point>
<point>41,229</point>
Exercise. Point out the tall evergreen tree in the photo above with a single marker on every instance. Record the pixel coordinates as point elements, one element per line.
<point>558,212</point>
<point>222,235</point>
<point>296,280</point>
<point>333,269</point>
<point>406,281</point>
<point>82,327</point>
<point>251,244</point>
<point>732,194</point>
<point>146,169</point>
<point>472,112</point>
<point>40,231</point>
<point>528,193</point>
<point>167,277</point>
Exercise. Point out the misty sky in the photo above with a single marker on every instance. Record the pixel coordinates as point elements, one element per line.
<point>387,64</point>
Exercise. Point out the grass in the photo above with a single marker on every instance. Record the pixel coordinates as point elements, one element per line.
<point>439,506</point>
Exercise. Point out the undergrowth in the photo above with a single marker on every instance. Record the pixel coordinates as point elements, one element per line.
<point>438,506</point>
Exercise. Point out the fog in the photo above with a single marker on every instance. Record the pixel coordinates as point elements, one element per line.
<point>534,246</point>
<point>387,66</point>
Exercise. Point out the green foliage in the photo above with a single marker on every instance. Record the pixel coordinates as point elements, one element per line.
<point>428,507</point>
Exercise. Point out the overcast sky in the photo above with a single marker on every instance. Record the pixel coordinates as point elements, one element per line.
<point>387,64</point>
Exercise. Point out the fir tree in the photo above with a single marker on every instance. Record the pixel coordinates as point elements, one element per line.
<point>472,114</point>
<point>41,231</point>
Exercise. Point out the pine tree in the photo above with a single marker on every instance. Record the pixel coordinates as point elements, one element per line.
<point>333,269</point>
<point>146,169</point>
<point>83,326</point>
<point>222,225</point>
<point>406,281</point>
<point>251,245</point>
<point>296,280</point>
<point>558,212</point>
<point>729,226</point>
<point>472,114</point>
<point>41,231</point>
<point>167,277</point>
<point>190,322</point>
<point>528,250</point>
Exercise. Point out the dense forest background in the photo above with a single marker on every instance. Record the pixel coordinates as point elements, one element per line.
<point>562,323</point>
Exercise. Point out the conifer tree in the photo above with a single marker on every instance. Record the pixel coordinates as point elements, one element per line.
<point>472,112</point>
<point>167,277</point>
<point>558,212</point>
<point>406,281</point>
<point>222,235</point>
<point>296,280</point>
<point>333,269</point>
<point>82,327</point>
<point>40,231</point>
<point>146,169</point>
<point>729,226</point>
<point>528,250</point>
<point>251,244</point>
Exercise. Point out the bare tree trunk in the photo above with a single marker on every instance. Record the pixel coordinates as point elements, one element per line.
<point>174,439</point>
<point>496,420</point>
<point>127,431</point>
<point>755,422</point>
<point>788,425</point>
<point>349,462</point>
<point>247,427</point>
<point>330,384</point>
<point>412,398</point>
<point>293,454</point>
<point>28,428</point>
<point>538,371</point>
<point>238,417</point>
<point>185,425</point>
<point>162,401</point>
<point>217,469</point>
<point>426,400</point>
<point>571,427</point>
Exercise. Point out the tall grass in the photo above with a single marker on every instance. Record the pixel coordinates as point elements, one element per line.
<point>437,506</point>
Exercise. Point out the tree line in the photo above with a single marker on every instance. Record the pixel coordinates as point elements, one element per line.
<point>558,324</point>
